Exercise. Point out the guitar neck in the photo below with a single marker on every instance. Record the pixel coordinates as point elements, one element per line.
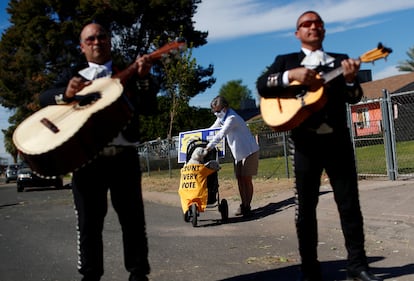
<point>370,56</point>
<point>127,73</point>
<point>156,55</point>
<point>332,74</point>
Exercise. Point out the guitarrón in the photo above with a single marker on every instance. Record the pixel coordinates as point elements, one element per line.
<point>48,138</point>
<point>286,113</point>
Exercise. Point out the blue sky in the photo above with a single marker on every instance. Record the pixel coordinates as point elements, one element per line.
<point>246,35</point>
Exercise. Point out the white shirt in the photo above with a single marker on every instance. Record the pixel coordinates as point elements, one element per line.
<point>239,138</point>
<point>95,71</point>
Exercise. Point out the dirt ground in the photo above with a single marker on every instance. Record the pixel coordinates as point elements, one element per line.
<point>228,189</point>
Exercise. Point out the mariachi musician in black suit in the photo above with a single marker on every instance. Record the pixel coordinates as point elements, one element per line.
<point>321,141</point>
<point>116,168</point>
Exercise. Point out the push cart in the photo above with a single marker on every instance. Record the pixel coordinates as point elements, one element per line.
<point>199,187</point>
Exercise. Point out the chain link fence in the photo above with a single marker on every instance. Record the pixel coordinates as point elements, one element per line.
<point>382,131</point>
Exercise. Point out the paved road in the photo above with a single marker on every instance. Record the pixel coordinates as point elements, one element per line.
<point>37,237</point>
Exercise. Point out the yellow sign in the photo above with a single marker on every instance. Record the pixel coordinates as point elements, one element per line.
<point>193,186</point>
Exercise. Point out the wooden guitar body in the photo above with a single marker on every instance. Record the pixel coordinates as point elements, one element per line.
<point>58,139</point>
<point>285,113</point>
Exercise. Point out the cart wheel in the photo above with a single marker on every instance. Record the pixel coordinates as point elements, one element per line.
<point>194,214</point>
<point>187,216</point>
<point>224,210</point>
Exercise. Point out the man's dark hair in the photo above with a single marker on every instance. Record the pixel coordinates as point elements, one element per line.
<point>307,12</point>
<point>219,100</point>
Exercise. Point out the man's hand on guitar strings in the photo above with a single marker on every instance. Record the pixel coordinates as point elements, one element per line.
<point>306,76</point>
<point>75,85</point>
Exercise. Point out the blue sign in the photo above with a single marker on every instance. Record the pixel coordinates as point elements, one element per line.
<point>202,134</point>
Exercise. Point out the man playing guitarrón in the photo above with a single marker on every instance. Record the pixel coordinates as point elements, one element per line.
<point>116,168</point>
<point>322,142</point>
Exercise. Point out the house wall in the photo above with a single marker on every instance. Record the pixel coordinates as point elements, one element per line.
<point>366,118</point>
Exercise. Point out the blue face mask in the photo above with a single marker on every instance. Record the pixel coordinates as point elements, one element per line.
<point>220,114</point>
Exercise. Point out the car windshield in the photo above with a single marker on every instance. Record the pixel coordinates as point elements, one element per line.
<point>13,167</point>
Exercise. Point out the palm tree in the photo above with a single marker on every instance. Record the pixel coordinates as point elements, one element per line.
<point>407,65</point>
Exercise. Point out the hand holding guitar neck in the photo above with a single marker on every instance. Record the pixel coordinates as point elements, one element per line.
<point>350,68</point>
<point>142,65</point>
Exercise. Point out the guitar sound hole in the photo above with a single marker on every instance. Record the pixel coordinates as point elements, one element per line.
<point>89,99</point>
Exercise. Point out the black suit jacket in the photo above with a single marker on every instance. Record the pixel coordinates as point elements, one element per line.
<point>337,91</point>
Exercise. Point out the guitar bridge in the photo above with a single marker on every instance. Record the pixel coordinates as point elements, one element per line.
<point>50,125</point>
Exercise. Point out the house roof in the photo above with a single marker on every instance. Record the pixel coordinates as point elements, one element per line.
<point>393,84</point>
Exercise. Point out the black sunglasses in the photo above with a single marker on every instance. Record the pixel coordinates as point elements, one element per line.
<point>92,38</point>
<point>308,23</point>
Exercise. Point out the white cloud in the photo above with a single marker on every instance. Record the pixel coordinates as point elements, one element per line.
<point>231,19</point>
<point>386,72</point>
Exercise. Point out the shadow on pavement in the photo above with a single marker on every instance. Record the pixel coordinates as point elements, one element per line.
<point>258,213</point>
<point>332,270</point>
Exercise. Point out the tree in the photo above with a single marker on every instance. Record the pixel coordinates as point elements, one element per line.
<point>181,74</point>
<point>407,65</point>
<point>235,93</point>
<point>190,118</point>
<point>43,40</point>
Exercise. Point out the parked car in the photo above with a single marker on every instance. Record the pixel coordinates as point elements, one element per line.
<point>27,178</point>
<point>11,172</point>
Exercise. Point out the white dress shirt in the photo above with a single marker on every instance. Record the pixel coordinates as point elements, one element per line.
<point>239,138</point>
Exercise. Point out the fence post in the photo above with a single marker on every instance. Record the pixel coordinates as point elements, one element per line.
<point>389,139</point>
<point>169,142</point>
<point>146,152</point>
<point>351,130</point>
<point>286,154</point>
<point>147,157</point>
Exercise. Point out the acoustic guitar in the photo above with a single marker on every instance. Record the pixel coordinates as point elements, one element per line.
<point>286,113</point>
<point>59,139</point>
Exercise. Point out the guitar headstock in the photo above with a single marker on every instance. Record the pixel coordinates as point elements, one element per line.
<point>166,49</point>
<point>376,54</point>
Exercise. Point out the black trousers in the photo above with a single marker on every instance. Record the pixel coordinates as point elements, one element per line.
<point>121,176</point>
<point>333,152</point>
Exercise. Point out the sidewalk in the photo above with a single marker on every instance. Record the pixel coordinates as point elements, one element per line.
<point>388,210</point>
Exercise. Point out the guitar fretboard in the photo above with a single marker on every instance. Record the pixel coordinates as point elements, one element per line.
<point>332,74</point>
